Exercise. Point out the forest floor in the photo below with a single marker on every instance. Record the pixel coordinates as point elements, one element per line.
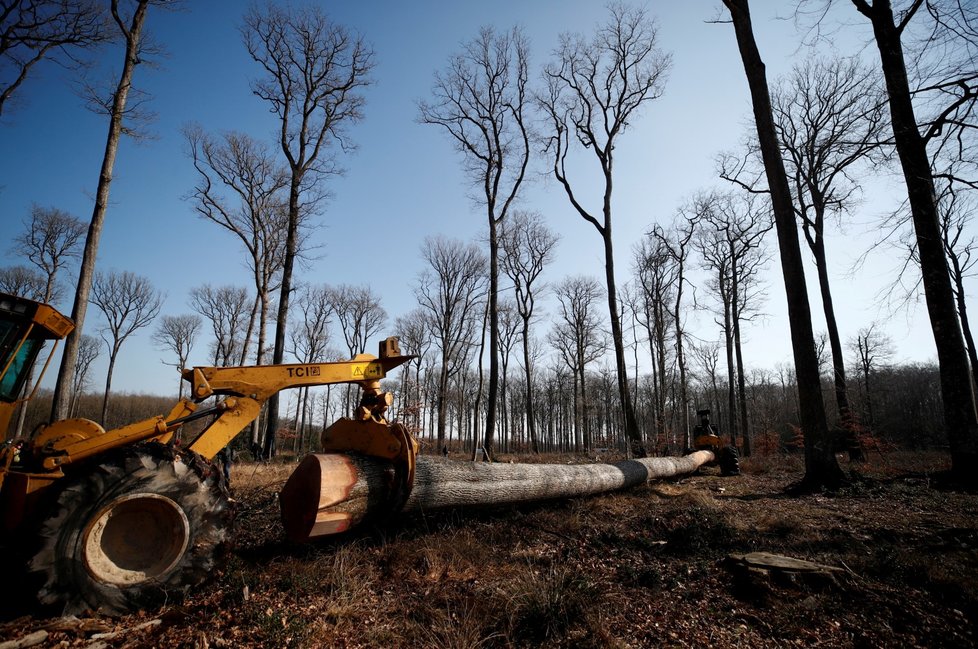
<point>647,567</point>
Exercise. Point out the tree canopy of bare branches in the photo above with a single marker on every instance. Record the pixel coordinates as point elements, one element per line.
<point>595,89</point>
<point>225,308</point>
<point>481,100</point>
<point>178,334</point>
<point>33,30</point>
<point>22,281</point>
<point>452,294</point>
<point>528,246</point>
<point>313,75</point>
<point>240,189</point>
<point>49,241</point>
<point>128,303</point>
<point>360,315</point>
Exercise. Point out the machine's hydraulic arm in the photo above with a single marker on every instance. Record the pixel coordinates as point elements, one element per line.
<point>245,390</point>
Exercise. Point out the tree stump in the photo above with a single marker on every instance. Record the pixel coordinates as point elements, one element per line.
<point>757,571</point>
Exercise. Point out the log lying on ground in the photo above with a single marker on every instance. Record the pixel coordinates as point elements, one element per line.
<point>331,493</point>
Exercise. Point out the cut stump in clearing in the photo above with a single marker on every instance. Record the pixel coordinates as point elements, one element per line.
<point>331,493</point>
<point>758,569</point>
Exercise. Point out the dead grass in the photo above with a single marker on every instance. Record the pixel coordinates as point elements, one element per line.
<point>640,568</point>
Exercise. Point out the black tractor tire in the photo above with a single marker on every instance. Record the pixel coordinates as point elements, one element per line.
<point>729,461</point>
<point>133,531</point>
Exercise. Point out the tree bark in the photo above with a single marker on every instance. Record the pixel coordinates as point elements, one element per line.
<point>493,397</point>
<point>531,426</point>
<point>285,290</point>
<point>846,420</point>
<point>332,493</point>
<point>633,434</point>
<point>959,296</point>
<point>108,388</point>
<point>745,448</point>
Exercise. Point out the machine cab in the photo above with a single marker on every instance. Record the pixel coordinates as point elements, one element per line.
<point>25,325</point>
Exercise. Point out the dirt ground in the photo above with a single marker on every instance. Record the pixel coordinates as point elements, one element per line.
<point>645,568</point>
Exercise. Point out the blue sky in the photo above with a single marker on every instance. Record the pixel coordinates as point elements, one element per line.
<point>405,181</point>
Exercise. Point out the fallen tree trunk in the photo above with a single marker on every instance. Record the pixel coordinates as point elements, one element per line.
<point>331,493</point>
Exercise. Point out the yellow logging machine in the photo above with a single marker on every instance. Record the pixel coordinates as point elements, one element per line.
<point>121,519</point>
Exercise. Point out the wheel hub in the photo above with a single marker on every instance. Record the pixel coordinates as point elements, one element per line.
<point>135,538</point>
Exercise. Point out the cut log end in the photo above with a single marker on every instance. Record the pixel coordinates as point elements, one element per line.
<point>319,482</point>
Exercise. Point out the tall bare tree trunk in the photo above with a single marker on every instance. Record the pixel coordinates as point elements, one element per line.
<point>821,466</point>
<point>960,419</point>
<point>745,447</point>
<point>113,353</point>
<point>728,338</point>
<point>133,35</point>
<point>846,419</point>
<point>493,396</point>
<point>960,296</point>
<point>531,426</point>
<point>632,432</point>
<point>285,291</point>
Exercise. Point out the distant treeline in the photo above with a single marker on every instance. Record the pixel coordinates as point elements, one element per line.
<point>901,409</point>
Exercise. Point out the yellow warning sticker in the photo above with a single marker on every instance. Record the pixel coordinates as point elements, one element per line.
<point>368,371</point>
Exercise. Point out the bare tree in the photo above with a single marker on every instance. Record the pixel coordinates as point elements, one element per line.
<point>872,348</point>
<point>957,208</point>
<point>655,278</point>
<point>22,281</point>
<point>177,334</point>
<point>310,344</point>
<point>33,30</point>
<point>821,466</point>
<point>528,246</point>
<point>732,228</point>
<point>88,351</point>
<point>414,332</point>
<point>580,338</point>
<point>677,244</point>
<point>706,354</point>
<point>452,293</point>
<point>128,302</point>
<point>960,418</point>
<point>594,91</point>
<point>481,100</point>
<point>225,308</point>
<point>510,325</point>
<point>49,241</point>
<point>360,315</point>
<point>240,188</point>
<point>131,28</point>
<point>831,117</point>
<point>314,74</point>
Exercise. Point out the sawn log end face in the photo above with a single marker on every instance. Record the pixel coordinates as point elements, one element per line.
<point>319,482</point>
